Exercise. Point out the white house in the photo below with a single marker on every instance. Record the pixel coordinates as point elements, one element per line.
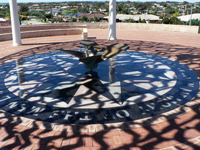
<point>146,17</point>
<point>186,18</point>
<point>2,20</point>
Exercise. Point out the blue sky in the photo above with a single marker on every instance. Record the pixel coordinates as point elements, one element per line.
<point>24,1</point>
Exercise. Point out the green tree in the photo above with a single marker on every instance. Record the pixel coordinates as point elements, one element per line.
<point>25,13</point>
<point>161,17</point>
<point>174,20</point>
<point>84,18</point>
<point>129,20</point>
<point>139,20</point>
<point>193,22</point>
<point>2,15</point>
<point>73,19</point>
<point>7,13</point>
<point>57,19</point>
<point>165,20</point>
<point>140,6</point>
<point>176,14</point>
<point>143,21</point>
<point>24,8</point>
<point>171,11</point>
<point>96,18</point>
<point>20,19</point>
<point>91,19</point>
<point>119,8</point>
<point>49,16</point>
<point>74,12</point>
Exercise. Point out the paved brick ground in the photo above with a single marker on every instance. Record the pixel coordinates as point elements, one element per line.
<point>179,132</point>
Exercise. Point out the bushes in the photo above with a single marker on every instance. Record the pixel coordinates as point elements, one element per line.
<point>143,21</point>
<point>57,19</point>
<point>165,20</point>
<point>129,20</point>
<point>193,22</point>
<point>73,19</point>
<point>96,18</point>
<point>172,20</point>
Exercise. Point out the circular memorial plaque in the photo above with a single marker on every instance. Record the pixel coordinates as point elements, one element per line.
<point>52,87</point>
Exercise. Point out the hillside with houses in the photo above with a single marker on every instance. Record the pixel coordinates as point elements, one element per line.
<point>138,12</point>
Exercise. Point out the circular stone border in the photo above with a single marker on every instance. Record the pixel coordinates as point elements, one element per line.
<point>136,46</point>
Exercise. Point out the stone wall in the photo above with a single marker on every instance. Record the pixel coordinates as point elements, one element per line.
<point>44,30</point>
<point>158,27</point>
<point>143,26</point>
<point>24,28</point>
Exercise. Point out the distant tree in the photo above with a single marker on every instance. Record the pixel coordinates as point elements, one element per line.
<point>129,20</point>
<point>20,19</point>
<point>185,2</point>
<point>2,15</point>
<point>7,13</point>
<point>193,22</point>
<point>57,19</point>
<point>141,6</point>
<point>119,8</point>
<point>163,4</point>
<point>74,12</point>
<point>171,11</point>
<point>143,21</point>
<point>161,16</point>
<point>44,18</point>
<point>25,13</point>
<point>38,14</point>
<point>84,18</point>
<point>174,20</point>
<point>49,16</point>
<point>23,8</point>
<point>96,18</point>
<point>165,20</point>
<point>139,20</point>
<point>91,19</point>
<point>176,14</point>
<point>73,19</point>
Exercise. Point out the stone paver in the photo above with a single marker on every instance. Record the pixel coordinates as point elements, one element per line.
<point>175,132</point>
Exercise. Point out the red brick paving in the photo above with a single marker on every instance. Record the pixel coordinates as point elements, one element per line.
<point>181,132</point>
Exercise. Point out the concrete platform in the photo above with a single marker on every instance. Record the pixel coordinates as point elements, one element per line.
<point>177,131</point>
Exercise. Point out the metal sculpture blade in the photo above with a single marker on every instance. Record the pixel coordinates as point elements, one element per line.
<point>75,53</point>
<point>90,45</point>
<point>90,58</point>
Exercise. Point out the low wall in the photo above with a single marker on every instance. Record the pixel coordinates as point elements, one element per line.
<point>24,28</point>
<point>38,33</point>
<point>143,26</point>
<point>158,27</point>
<point>30,31</point>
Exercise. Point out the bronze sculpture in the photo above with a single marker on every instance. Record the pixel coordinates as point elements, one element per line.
<point>91,58</point>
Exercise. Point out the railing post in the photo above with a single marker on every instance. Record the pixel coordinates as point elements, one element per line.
<point>16,35</point>
<point>112,20</point>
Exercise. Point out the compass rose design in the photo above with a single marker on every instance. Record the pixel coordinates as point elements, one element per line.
<point>53,87</point>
